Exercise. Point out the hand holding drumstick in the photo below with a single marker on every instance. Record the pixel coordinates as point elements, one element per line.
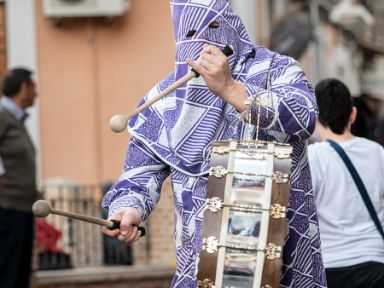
<point>127,225</point>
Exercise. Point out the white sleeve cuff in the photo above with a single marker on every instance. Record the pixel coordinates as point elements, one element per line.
<point>2,170</point>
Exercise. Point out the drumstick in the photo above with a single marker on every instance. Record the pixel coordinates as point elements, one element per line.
<point>42,208</point>
<point>118,123</point>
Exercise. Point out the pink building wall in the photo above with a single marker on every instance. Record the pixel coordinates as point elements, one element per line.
<point>89,71</point>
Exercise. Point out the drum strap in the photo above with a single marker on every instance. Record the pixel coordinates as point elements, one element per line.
<point>360,185</point>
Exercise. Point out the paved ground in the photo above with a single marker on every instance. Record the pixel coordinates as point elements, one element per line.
<point>117,276</point>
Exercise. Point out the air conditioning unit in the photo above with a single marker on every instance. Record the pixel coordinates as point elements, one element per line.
<point>84,8</point>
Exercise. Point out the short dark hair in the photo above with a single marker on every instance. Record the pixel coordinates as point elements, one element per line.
<point>335,104</point>
<point>13,79</point>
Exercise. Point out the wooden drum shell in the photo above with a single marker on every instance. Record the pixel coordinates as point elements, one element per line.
<point>215,224</point>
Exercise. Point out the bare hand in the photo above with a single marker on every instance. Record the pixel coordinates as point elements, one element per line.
<point>128,232</point>
<point>213,67</point>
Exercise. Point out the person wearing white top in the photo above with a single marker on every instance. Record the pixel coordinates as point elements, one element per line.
<point>352,246</point>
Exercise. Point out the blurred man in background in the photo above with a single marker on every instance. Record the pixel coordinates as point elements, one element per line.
<point>18,182</point>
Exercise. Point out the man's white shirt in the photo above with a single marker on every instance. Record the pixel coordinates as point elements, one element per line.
<point>348,234</point>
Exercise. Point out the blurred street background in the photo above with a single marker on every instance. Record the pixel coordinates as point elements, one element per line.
<point>97,58</point>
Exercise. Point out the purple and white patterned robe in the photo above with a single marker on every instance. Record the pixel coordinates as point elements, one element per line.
<point>173,138</point>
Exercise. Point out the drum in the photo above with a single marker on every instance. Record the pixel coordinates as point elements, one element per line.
<point>245,223</point>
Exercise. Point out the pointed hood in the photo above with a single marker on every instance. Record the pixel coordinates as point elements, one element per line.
<point>181,127</point>
<point>199,22</point>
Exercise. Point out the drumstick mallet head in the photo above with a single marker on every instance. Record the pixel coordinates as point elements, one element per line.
<point>119,123</point>
<point>42,208</point>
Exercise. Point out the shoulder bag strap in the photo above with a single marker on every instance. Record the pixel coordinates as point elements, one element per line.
<point>360,185</point>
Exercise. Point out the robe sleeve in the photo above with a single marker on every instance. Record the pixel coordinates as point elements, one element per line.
<point>288,101</point>
<point>139,186</point>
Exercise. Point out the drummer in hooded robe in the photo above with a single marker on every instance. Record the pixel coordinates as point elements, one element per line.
<point>173,137</point>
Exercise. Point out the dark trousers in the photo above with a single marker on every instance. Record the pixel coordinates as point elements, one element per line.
<point>364,275</point>
<point>16,242</point>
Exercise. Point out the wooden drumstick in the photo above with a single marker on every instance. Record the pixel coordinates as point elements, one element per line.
<point>42,208</point>
<point>118,123</point>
